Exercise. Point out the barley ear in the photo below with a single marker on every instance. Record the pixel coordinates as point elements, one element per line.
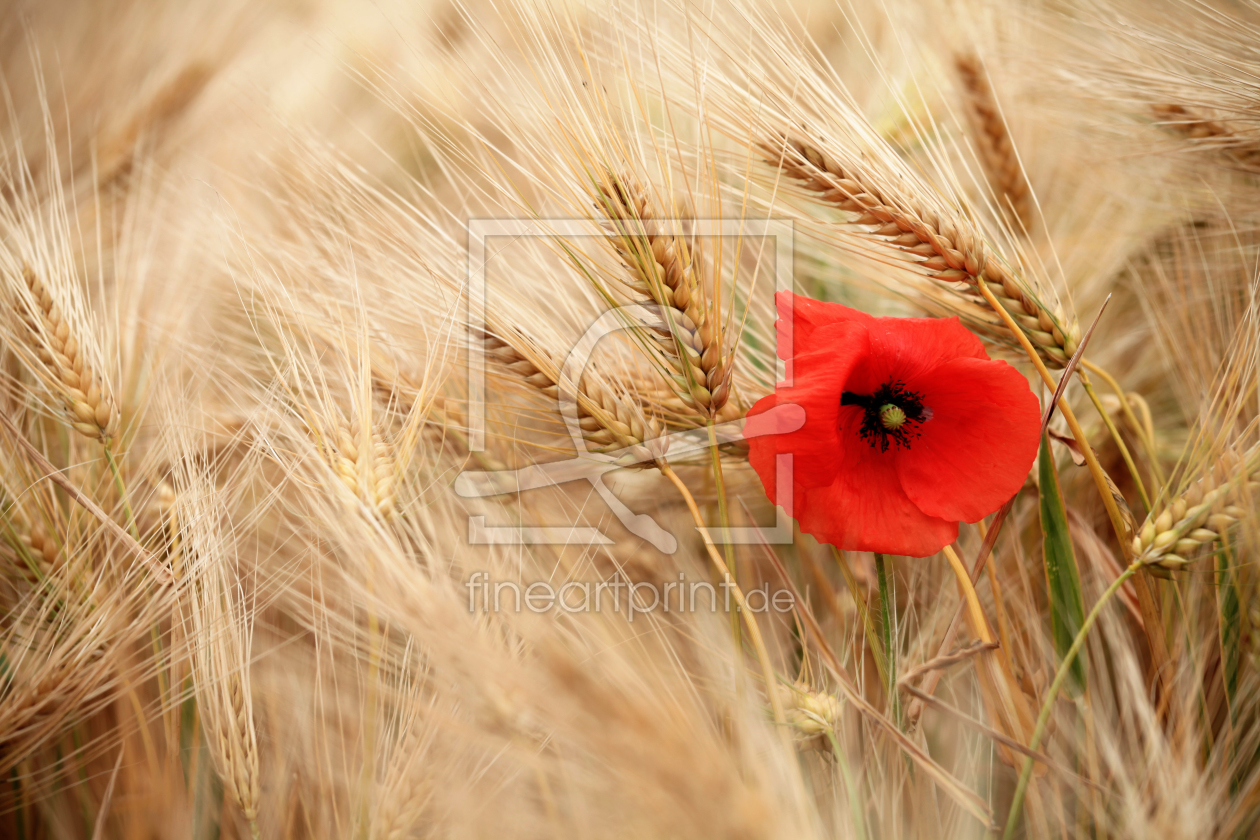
<point>219,632</point>
<point>1198,518</point>
<point>368,468</point>
<point>1209,134</point>
<point>663,267</point>
<point>62,364</point>
<point>610,422</point>
<point>947,246</point>
<point>993,143</point>
<point>810,711</point>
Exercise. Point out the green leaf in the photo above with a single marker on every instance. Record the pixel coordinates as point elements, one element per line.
<point>1063,582</point>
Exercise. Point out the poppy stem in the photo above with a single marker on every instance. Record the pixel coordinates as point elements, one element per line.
<point>887,620</point>
<point>1060,677</point>
<point>750,620</point>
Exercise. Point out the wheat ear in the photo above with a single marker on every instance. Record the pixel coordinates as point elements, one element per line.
<point>809,711</point>
<point>950,250</point>
<point>220,660</point>
<point>170,100</point>
<point>993,143</point>
<point>90,407</point>
<point>41,547</point>
<point>1192,126</point>
<point>608,421</point>
<point>663,266</point>
<point>370,472</point>
<point>238,745</point>
<point>1174,534</point>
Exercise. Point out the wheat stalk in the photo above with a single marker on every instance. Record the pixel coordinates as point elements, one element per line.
<point>1172,535</point>
<point>664,267</point>
<point>87,400</point>
<point>993,143</point>
<point>950,250</point>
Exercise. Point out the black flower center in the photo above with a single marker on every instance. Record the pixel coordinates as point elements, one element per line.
<point>891,414</point>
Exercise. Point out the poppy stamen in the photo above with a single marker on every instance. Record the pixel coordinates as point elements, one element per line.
<point>891,415</point>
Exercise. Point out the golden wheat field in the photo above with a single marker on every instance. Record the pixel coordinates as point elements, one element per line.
<point>662,419</point>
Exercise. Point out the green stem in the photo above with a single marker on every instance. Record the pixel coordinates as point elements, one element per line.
<point>855,802</point>
<point>1060,677</point>
<point>887,616</point>
<point>155,632</point>
<point>122,494</point>
<point>1115,435</point>
<point>1144,434</point>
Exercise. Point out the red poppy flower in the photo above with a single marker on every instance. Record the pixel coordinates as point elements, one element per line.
<point>909,428</point>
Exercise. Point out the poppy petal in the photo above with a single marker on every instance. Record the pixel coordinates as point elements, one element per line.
<point>822,375</point>
<point>800,317</point>
<point>975,451</point>
<point>859,480</point>
<point>903,349</point>
<point>865,508</point>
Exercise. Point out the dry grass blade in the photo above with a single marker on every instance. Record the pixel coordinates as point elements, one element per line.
<point>99,830</point>
<point>958,715</point>
<point>937,663</point>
